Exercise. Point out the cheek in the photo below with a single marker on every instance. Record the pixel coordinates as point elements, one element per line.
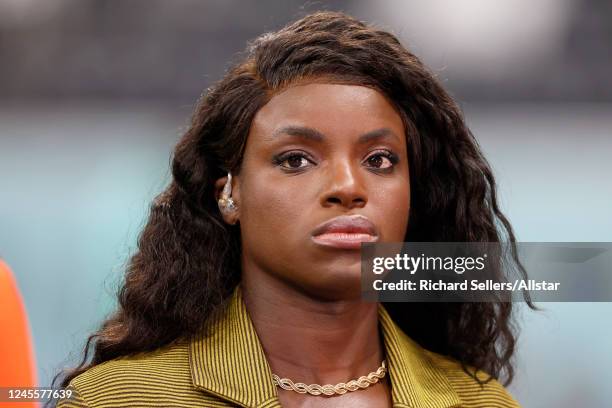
<point>393,206</point>
<point>271,211</point>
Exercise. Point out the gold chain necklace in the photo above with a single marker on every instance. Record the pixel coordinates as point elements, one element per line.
<point>329,389</point>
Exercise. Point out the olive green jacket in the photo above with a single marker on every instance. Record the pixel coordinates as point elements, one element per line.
<point>229,369</point>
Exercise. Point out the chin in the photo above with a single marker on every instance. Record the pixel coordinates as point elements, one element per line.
<point>338,284</point>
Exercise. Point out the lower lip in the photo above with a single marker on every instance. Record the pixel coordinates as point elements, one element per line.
<point>343,240</point>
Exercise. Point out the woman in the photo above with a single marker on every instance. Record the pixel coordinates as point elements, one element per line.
<point>247,279</point>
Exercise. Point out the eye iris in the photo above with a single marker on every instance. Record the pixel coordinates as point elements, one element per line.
<point>376,161</point>
<point>297,160</point>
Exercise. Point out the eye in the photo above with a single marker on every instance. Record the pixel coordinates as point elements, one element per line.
<point>292,160</point>
<point>383,160</point>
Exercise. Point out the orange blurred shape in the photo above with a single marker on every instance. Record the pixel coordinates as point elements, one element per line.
<point>17,364</point>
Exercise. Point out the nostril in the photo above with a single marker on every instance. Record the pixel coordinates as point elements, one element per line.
<point>359,202</point>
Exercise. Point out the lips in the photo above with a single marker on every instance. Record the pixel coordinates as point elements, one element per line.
<point>345,232</point>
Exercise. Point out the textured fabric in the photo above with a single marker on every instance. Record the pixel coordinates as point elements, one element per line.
<point>228,368</point>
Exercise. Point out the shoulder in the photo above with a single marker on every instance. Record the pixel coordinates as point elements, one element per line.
<point>161,376</point>
<point>490,394</point>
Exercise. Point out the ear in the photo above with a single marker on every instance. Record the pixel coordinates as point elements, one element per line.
<point>219,187</point>
<point>233,216</point>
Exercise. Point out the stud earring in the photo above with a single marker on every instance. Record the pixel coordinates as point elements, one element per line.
<point>226,203</point>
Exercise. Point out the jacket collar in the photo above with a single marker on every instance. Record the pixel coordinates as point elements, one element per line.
<point>230,363</point>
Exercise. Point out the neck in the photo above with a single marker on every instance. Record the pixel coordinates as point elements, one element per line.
<point>312,340</point>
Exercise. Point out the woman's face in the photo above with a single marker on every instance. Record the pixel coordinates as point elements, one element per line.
<point>314,152</point>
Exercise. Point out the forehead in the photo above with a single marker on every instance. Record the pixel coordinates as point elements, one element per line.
<point>329,108</point>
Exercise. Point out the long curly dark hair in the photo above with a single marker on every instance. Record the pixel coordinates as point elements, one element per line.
<point>187,262</point>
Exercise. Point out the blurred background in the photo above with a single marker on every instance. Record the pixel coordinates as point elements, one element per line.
<point>95,93</point>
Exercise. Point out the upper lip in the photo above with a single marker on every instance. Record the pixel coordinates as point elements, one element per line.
<point>355,223</point>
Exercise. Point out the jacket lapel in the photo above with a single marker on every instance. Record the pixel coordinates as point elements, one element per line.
<point>416,381</point>
<point>230,362</point>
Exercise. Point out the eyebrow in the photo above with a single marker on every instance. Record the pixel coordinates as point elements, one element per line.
<point>308,133</point>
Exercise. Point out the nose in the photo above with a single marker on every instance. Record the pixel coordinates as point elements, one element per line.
<point>343,187</point>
